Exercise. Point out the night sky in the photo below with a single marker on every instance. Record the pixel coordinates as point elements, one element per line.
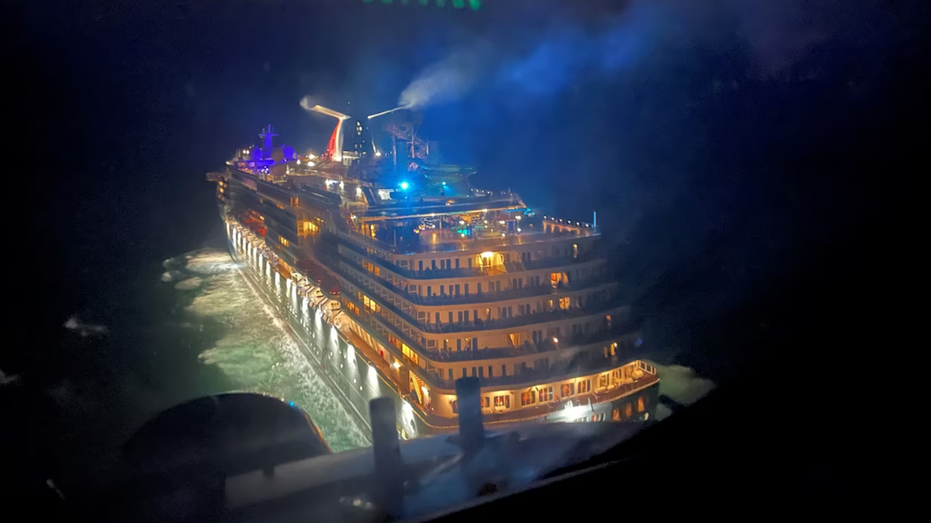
<point>744,161</point>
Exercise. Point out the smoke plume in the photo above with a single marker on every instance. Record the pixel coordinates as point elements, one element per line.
<point>446,80</point>
<point>555,60</point>
<point>307,102</point>
<point>773,37</point>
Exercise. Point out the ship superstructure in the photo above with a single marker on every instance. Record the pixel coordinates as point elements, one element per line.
<point>422,279</point>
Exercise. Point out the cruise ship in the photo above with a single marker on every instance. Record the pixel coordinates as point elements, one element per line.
<point>396,277</point>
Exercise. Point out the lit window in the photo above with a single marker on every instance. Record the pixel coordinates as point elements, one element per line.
<point>307,227</point>
<point>410,354</point>
<point>528,398</point>
<point>568,389</point>
<point>564,303</point>
<point>370,304</point>
<point>641,404</point>
<point>283,240</point>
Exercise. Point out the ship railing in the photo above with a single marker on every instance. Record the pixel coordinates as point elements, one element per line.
<point>429,273</point>
<point>581,366</point>
<point>522,238</point>
<point>608,307</point>
<point>586,361</point>
<point>624,335</point>
<point>476,298</point>
<point>615,330</point>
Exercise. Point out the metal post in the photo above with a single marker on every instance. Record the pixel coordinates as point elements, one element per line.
<point>386,449</point>
<point>471,430</point>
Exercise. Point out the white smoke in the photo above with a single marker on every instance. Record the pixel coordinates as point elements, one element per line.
<point>308,102</point>
<point>446,80</point>
<point>773,34</point>
<point>6,379</point>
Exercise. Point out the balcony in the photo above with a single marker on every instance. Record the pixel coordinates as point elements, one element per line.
<point>617,329</point>
<point>529,348</point>
<point>471,244</point>
<point>560,261</point>
<point>591,309</point>
<point>484,297</point>
<point>466,272</point>
<point>605,307</point>
<point>508,294</point>
<point>585,363</point>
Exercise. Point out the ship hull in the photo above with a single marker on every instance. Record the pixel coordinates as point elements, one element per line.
<point>355,378</point>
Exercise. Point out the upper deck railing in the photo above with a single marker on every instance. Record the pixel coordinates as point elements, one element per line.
<point>470,244</point>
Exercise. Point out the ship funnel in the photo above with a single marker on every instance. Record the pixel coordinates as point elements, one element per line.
<point>335,146</point>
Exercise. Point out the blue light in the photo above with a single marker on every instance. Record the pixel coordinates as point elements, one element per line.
<point>404,186</point>
<point>291,403</point>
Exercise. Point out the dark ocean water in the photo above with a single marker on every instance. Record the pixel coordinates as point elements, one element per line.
<point>191,327</point>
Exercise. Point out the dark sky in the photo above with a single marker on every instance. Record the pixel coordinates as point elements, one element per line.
<point>721,146</point>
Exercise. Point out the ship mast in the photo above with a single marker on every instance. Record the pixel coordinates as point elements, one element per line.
<point>266,135</point>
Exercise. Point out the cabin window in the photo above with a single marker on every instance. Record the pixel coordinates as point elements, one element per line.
<point>503,401</point>
<point>528,398</point>
<point>641,404</point>
<point>585,386</point>
<point>568,389</point>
